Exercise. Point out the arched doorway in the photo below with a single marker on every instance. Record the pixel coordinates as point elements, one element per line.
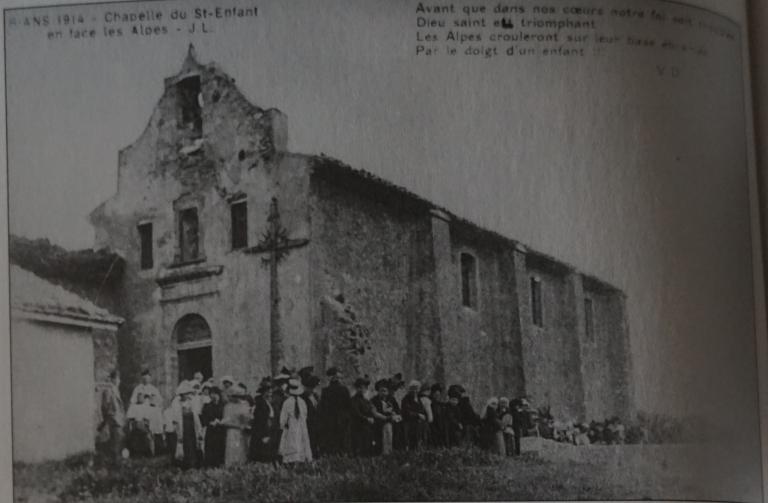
<point>193,344</point>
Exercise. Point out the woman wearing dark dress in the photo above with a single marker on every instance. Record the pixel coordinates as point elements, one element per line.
<point>453,425</point>
<point>215,434</point>
<point>491,428</point>
<point>188,428</point>
<point>262,426</point>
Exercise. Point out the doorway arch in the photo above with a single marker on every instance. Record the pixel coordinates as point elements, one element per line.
<point>192,336</point>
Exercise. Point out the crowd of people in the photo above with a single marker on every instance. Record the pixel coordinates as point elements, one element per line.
<point>290,419</point>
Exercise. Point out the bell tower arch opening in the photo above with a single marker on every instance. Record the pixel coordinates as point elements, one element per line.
<point>192,336</point>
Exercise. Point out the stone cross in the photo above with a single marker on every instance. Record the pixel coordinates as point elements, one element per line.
<point>276,244</point>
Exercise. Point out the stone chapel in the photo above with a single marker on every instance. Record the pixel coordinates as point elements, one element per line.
<point>241,257</point>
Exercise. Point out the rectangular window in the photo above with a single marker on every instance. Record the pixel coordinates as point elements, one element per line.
<point>189,235</point>
<point>239,213</point>
<point>468,280</point>
<point>589,327</point>
<point>536,307</point>
<point>145,238</point>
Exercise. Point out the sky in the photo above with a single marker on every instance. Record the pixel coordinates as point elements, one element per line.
<point>629,175</point>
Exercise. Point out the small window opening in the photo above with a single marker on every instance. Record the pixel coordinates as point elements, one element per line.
<point>536,307</point>
<point>468,280</point>
<point>239,214</point>
<point>145,239</point>
<point>189,235</point>
<point>189,104</point>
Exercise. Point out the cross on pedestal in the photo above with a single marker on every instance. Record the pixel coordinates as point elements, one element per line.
<point>276,244</point>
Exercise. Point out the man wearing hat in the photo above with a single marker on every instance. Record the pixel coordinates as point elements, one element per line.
<point>264,427</point>
<point>215,433</point>
<point>469,418</point>
<point>414,416</point>
<point>113,418</point>
<point>438,429</point>
<point>521,421</point>
<point>397,391</point>
<point>363,417</point>
<point>334,414</point>
<point>453,425</point>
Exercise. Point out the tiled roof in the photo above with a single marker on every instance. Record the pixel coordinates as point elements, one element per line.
<point>339,172</point>
<point>32,294</point>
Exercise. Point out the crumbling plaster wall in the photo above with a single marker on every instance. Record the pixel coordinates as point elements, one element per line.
<point>377,259</point>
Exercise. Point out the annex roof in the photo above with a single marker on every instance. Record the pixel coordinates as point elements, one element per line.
<point>33,295</point>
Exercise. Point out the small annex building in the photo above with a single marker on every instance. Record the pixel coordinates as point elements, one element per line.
<point>52,362</point>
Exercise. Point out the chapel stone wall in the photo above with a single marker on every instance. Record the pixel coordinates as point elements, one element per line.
<point>371,259</point>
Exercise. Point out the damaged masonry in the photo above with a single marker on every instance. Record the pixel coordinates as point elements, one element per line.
<point>241,257</point>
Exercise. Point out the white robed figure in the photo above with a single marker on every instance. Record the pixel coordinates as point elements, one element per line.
<point>294,441</point>
<point>237,421</point>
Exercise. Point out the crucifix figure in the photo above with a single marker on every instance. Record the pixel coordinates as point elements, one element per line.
<point>276,244</point>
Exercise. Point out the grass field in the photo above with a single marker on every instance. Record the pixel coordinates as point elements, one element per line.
<point>457,474</point>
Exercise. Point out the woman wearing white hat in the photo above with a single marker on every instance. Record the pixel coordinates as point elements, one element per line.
<point>294,441</point>
<point>237,420</point>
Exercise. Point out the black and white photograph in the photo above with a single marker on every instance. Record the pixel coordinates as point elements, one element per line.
<point>455,250</point>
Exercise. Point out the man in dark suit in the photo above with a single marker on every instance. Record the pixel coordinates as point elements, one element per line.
<point>454,426</point>
<point>438,432</point>
<point>414,416</point>
<point>363,417</point>
<point>334,410</point>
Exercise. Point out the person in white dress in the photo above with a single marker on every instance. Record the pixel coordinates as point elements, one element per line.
<point>145,387</point>
<point>294,440</point>
<point>237,420</point>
